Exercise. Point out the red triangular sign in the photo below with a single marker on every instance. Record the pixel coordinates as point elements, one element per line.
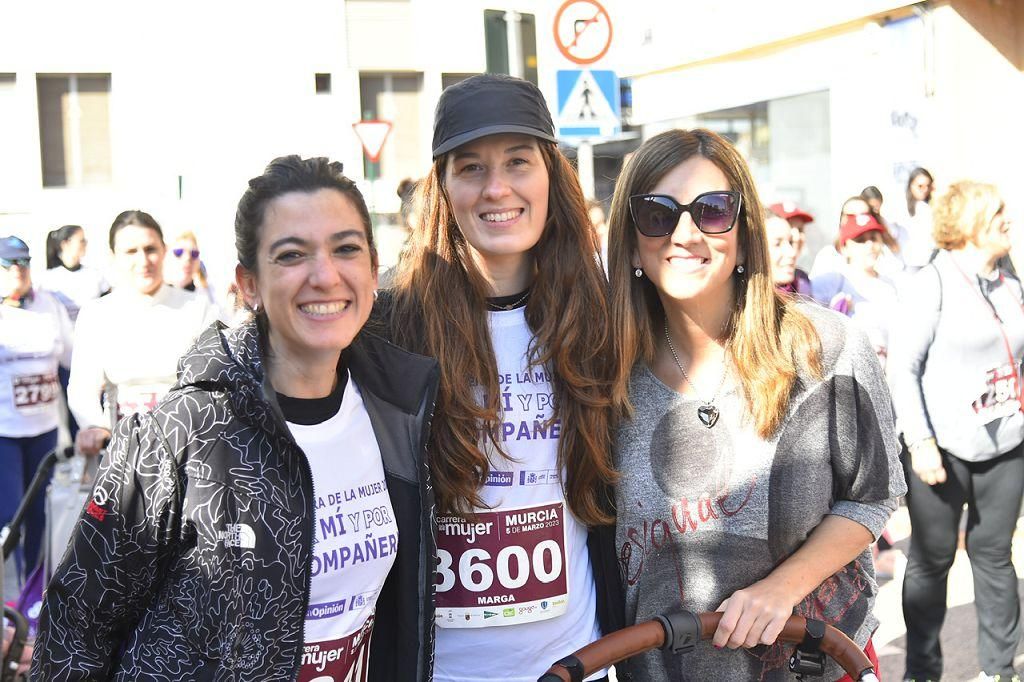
<point>372,134</point>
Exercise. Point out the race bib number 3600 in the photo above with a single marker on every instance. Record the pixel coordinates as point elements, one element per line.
<point>502,568</point>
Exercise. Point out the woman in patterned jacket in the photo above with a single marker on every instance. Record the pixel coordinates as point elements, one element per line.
<point>270,519</point>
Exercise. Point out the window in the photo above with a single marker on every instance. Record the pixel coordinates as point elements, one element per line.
<point>394,97</point>
<point>74,129</point>
<point>323,83</point>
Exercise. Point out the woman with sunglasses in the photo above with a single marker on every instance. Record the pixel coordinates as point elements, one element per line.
<point>35,340</point>
<point>760,459</point>
<point>955,368</point>
<point>127,344</point>
<point>183,269</point>
<point>502,286</point>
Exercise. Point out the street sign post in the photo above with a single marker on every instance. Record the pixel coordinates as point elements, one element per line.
<point>372,134</point>
<point>583,31</point>
<point>588,104</point>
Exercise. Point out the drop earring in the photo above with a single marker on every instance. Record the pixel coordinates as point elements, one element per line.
<point>638,273</point>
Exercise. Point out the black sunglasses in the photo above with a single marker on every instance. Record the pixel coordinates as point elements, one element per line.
<point>193,253</point>
<point>656,215</point>
<point>11,262</point>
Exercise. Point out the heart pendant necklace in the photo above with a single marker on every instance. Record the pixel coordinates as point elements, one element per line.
<point>707,412</point>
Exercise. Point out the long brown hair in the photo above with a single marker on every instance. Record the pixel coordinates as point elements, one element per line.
<point>769,338</point>
<point>439,309</point>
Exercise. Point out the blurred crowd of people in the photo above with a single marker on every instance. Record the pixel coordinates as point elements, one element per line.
<point>933,286</point>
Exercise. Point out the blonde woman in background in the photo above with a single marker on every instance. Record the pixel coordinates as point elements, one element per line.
<point>954,365</point>
<point>183,269</point>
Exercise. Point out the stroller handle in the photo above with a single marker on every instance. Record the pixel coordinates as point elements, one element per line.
<point>11,661</point>
<point>10,535</point>
<point>682,630</point>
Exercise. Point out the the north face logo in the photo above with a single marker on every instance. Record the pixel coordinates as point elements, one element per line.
<point>237,535</point>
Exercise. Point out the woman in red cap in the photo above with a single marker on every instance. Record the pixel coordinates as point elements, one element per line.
<point>501,285</point>
<point>858,289</point>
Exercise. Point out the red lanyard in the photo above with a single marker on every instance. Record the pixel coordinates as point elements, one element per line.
<point>998,320</point>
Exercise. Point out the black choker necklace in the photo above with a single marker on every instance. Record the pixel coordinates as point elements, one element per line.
<point>508,302</point>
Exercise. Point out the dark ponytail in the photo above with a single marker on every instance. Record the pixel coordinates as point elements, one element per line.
<point>53,242</point>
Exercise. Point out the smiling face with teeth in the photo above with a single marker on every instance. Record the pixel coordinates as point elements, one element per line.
<point>315,278</point>
<point>497,187</point>
<point>688,265</point>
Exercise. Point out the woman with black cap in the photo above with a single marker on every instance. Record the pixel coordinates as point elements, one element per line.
<point>501,285</point>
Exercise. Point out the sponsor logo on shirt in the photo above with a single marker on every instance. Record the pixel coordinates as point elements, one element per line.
<point>237,535</point>
<point>325,610</point>
<point>504,479</point>
<point>539,477</point>
<point>508,613</point>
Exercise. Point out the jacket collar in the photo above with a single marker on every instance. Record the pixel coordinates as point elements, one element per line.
<point>232,360</point>
<point>392,374</point>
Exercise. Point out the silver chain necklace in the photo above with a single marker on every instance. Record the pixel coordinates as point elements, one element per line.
<point>510,306</point>
<point>707,411</point>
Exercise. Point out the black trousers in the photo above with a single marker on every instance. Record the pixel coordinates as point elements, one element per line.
<point>992,491</point>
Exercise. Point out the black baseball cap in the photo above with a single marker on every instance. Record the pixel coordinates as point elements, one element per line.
<point>488,104</point>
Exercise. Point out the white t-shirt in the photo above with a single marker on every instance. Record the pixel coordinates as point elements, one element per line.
<point>33,341</point>
<point>873,303</point>
<point>74,288</point>
<point>914,234</point>
<point>127,345</point>
<point>515,588</point>
<point>356,541</point>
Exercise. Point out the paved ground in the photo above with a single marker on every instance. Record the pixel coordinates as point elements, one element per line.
<point>959,632</point>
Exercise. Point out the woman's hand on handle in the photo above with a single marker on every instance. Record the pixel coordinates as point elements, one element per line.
<point>91,440</point>
<point>755,615</point>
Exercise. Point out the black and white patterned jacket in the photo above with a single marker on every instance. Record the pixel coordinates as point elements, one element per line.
<point>192,561</point>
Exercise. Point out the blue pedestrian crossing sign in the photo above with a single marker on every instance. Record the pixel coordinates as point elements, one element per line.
<point>588,104</point>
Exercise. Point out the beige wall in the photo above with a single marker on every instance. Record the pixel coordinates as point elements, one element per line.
<point>979,102</point>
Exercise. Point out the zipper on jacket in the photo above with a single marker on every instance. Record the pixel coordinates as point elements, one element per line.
<point>312,548</point>
<point>307,470</point>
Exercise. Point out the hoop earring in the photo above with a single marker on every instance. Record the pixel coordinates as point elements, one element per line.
<point>638,273</point>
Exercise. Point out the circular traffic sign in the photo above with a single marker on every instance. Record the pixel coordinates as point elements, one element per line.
<point>583,31</point>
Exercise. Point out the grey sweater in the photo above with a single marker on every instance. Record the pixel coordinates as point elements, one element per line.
<point>944,345</point>
<point>705,512</point>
